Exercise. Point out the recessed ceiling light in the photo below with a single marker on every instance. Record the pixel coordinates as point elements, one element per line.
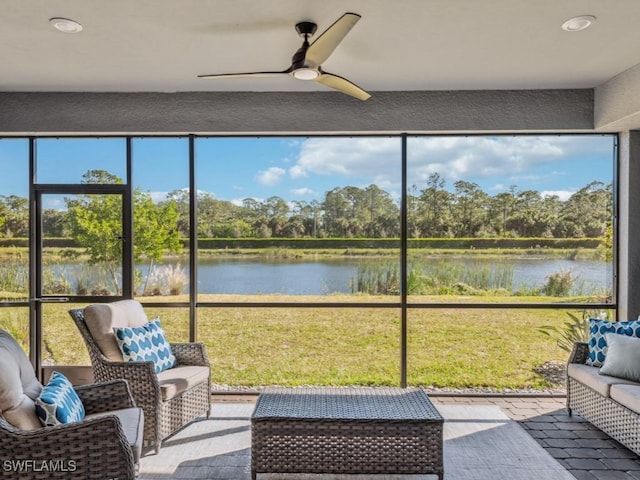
<point>576,24</point>
<point>65,25</point>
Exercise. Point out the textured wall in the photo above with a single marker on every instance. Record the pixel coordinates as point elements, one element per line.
<point>617,103</point>
<point>287,112</point>
<point>629,225</point>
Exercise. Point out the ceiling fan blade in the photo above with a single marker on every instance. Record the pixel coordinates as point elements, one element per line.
<point>326,43</point>
<point>244,75</point>
<point>342,84</point>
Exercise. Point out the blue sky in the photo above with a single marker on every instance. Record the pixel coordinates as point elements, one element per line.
<point>303,168</point>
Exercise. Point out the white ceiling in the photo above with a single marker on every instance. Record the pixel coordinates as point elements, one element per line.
<point>161,45</point>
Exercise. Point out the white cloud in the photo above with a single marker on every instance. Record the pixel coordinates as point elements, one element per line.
<point>461,158</point>
<point>303,192</point>
<point>509,160</point>
<point>271,176</point>
<point>376,158</point>
<point>240,201</point>
<point>298,171</point>
<point>453,157</point>
<point>158,196</point>
<point>563,195</point>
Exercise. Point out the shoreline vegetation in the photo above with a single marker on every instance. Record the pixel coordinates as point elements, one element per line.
<point>286,248</point>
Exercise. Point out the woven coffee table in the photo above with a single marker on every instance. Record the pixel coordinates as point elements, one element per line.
<point>348,431</point>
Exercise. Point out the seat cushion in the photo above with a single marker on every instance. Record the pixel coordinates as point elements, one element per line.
<point>101,318</point>
<point>590,376</point>
<point>627,395</point>
<point>19,386</point>
<point>132,420</point>
<point>179,379</point>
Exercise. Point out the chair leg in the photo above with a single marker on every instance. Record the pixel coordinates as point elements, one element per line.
<point>158,444</point>
<point>209,412</point>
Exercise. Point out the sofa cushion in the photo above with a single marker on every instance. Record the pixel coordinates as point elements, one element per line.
<point>180,379</point>
<point>627,395</point>
<point>132,420</point>
<point>623,357</point>
<point>597,340</point>
<point>590,376</point>
<point>146,344</point>
<point>58,402</point>
<point>19,386</point>
<point>102,318</point>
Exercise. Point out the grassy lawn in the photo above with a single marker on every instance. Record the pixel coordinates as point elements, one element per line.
<point>449,348</point>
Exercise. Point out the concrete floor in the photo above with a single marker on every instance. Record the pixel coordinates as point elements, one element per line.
<point>586,452</point>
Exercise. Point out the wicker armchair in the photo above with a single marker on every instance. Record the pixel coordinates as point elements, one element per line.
<point>105,444</point>
<point>171,399</point>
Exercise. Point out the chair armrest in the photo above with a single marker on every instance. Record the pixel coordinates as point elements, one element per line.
<point>94,448</point>
<point>579,353</point>
<point>141,379</point>
<point>105,397</point>
<point>190,354</point>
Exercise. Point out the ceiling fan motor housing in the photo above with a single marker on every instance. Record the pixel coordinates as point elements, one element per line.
<point>305,29</point>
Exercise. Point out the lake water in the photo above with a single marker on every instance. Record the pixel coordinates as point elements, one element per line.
<point>322,277</point>
<point>242,276</point>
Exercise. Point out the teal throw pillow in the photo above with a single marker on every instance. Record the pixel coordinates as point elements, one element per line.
<point>147,343</point>
<point>58,402</point>
<point>598,342</point>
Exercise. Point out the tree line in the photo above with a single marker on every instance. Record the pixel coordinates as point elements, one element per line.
<point>433,211</point>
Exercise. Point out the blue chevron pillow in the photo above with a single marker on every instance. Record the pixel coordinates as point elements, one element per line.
<point>58,402</point>
<point>598,341</point>
<point>144,344</point>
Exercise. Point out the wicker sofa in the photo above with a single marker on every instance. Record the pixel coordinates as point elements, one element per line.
<point>612,404</point>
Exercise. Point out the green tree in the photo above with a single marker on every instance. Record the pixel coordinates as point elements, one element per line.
<point>469,207</point>
<point>434,211</point>
<point>155,229</point>
<point>15,213</point>
<point>95,221</point>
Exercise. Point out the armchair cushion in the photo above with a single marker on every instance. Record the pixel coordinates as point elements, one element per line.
<point>102,318</point>
<point>144,344</point>
<point>58,402</point>
<point>19,386</point>
<point>177,380</point>
<point>132,421</point>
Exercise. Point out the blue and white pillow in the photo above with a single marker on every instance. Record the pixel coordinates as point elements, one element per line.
<point>58,402</point>
<point>598,341</point>
<point>144,344</point>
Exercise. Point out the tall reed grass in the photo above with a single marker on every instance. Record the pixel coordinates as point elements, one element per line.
<point>433,278</point>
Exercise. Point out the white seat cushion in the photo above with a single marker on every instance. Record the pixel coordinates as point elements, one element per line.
<point>627,395</point>
<point>101,318</point>
<point>132,420</point>
<point>179,379</point>
<point>591,377</point>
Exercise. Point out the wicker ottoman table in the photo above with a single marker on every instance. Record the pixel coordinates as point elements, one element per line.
<point>347,431</point>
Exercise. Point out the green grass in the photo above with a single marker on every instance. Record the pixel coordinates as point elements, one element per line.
<point>449,348</point>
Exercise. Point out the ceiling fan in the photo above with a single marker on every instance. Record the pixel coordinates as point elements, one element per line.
<point>306,62</point>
